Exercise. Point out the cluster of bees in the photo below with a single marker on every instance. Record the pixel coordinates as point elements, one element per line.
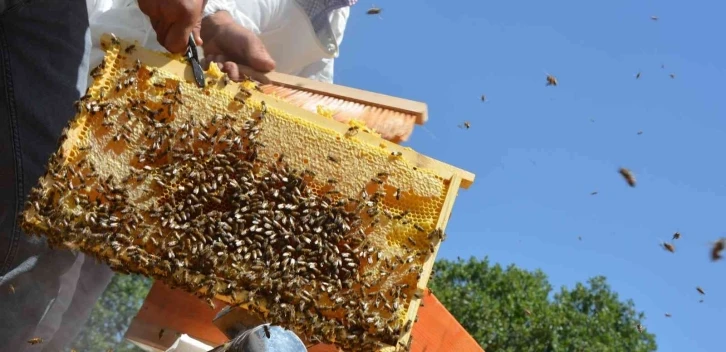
<point>229,224</point>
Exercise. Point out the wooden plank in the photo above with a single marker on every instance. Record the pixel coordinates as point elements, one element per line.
<point>436,329</point>
<point>147,333</point>
<point>178,311</point>
<point>182,69</point>
<point>418,109</point>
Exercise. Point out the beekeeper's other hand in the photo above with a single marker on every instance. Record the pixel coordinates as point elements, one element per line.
<point>226,40</point>
<point>174,20</point>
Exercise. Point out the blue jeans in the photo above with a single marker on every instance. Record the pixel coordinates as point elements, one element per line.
<point>44,50</point>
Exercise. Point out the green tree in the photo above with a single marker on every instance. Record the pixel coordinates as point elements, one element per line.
<point>112,315</point>
<point>511,310</point>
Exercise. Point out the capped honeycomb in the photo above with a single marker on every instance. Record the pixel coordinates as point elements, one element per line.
<point>225,192</point>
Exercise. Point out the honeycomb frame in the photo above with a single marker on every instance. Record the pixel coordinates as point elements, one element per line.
<point>99,145</point>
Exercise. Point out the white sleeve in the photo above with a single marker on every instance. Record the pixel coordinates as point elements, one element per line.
<point>321,71</point>
<point>214,6</point>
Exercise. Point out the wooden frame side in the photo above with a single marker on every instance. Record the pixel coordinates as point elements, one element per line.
<point>452,192</point>
<point>180,68</point>
<point>420,110</point>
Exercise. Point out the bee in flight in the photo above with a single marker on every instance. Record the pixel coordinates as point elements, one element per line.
<point>374,11</point>
<point>717,248</point>
<point>628,176</point>
<point>669,247</point>
<point>551,80</point>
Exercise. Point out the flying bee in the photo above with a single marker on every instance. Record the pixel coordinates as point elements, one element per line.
<point>637,75</point>
<point>267,330</point>
<point>640,132</point>
<point>700,290</point>
<point>593,193</point>
<point>717,248</point>
<point>115,40</point>
<point>466,125</point>
<point>654,18</point>
<point>333,159</point>
<point>628,176</point>
<point>669,247</point>
<point>639,328</point>
<point>374,11</point>
<point>668,315</point>
<point>672,75</point>
<point>161,333</point>
<point>398,194</point>
<point>551,80</point>
<point>527,312</point>
<point>35,340</point>
<point>130,49</point>
<point>483,98</point>
<point>676,235</point>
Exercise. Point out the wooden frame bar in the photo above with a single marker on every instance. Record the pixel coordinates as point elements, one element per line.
<point>418,109</point>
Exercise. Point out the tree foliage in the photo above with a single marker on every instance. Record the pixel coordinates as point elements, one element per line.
<point>112,315</point>
<point>512,310</point>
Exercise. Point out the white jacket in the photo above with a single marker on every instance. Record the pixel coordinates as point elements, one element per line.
<point>282,25</point>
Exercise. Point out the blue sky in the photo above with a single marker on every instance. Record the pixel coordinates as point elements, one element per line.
<point>537,155</point>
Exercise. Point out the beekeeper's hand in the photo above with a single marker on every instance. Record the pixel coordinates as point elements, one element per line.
<point>238,49</point>
<point>174,20</point>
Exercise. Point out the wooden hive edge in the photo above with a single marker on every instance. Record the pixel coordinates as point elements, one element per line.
<point>174,64</point>
<point>451,193</point>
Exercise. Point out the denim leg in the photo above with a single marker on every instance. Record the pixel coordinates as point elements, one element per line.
<point>44,48</point>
